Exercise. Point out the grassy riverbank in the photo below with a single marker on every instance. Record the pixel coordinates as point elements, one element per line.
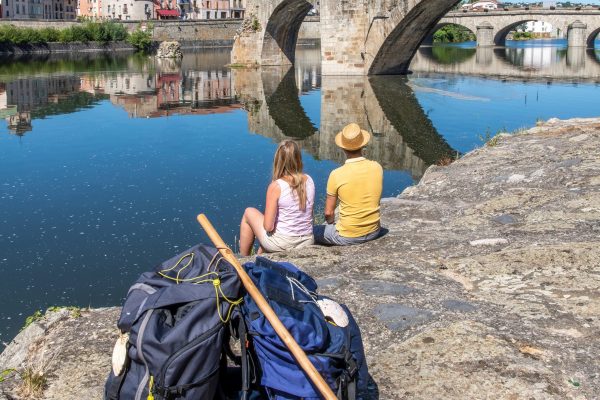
<point>102,32</point>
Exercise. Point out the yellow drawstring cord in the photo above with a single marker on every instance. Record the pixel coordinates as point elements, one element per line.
<point>210,276</point>
<point>150,385</point>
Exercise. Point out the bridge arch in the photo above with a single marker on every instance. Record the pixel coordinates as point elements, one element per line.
<point>281,32</point>
<point>429,39</point>
<point>502,33</point>
<point>269,32</point>
<point>592,38</point>
<point>393,39</point>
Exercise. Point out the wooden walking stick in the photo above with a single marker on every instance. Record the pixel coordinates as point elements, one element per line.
<point>266,309</point>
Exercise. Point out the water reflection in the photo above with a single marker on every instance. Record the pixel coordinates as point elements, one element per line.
<point>142,86</point>
<point>574,63</point>
<point>22,100</point>
<point>404,138</point>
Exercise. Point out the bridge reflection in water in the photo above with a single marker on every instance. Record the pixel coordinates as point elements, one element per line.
<point>532,63</point>
<point>403,136</point>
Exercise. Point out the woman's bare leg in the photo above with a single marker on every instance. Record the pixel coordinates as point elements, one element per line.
<point>252,223</point>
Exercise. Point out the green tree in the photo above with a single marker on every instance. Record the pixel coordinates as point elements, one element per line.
<point>453,34</point>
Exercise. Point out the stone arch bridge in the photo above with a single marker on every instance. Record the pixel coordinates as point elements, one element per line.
<point>358,37</point>
<point>581,27</point>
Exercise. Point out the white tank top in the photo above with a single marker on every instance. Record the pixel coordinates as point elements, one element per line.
<point>291,221</point>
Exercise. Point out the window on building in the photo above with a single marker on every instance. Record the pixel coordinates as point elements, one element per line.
<point>208,4</point>
<point>208,15</point>
<point>223,15</point>
<point>124,8</point>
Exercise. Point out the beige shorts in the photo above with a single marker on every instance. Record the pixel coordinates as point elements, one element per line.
<point>274,242</point>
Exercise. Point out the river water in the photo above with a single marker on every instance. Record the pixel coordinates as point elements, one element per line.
<point>105,161</point>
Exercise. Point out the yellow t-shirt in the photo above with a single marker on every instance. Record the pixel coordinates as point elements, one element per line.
<point>357,184</point>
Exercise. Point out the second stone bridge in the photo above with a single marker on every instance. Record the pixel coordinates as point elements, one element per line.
<point>581,27</point>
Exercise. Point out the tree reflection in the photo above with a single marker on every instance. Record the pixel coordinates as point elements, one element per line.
<point>451,54</point>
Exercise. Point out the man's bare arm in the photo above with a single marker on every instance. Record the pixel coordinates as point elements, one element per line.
<point>330,204</point>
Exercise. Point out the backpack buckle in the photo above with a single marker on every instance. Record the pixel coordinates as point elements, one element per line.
<point>160,392</point>
<point>351,365</point>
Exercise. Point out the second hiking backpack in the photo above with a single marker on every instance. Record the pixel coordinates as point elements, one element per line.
<point>336,352</point>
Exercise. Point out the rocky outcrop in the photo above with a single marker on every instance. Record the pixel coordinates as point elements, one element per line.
<point>169,50</point>
<point>486,285</point>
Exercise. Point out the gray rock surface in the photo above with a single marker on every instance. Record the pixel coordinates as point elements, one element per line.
<point>515,319</point>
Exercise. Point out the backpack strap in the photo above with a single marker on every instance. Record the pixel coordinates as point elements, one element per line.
<point>347,381</point>
<point>243,334</point>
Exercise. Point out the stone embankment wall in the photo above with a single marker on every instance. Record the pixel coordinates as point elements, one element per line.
<point>37,24</point>
<point>211,33</point>
<point>206,33</point>
<point>485,287</point>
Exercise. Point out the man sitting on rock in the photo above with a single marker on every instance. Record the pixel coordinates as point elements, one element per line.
<point>357,184</point>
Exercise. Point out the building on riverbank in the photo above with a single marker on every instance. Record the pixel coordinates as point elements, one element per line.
<point>166,9</point>
<point>212,9</point>
<point>136,10</point>
<point>39,9</point>
<point>90,9</point>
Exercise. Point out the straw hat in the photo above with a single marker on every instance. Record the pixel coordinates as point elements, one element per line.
<point>352,137</point>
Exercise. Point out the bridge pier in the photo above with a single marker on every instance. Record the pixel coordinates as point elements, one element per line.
<point>577,34</point>
<point>576,58</point>
<point>344,27</point>
<point>485,35</point>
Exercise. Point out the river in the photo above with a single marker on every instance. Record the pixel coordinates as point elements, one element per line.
<point>106,160</point>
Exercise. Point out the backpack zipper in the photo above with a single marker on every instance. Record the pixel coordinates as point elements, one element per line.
<point>191,344</point>
<point>138,345</point>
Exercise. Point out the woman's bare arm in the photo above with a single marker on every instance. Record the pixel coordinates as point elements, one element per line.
<point>273,193</point>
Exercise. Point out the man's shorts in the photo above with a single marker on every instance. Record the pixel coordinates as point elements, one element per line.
<point>328,234</point>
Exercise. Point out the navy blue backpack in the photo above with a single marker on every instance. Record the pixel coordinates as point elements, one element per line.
<point>336,352</point>
<point>177,319</point>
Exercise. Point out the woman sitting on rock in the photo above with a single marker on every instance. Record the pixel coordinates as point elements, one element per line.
<point>288,219</point>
